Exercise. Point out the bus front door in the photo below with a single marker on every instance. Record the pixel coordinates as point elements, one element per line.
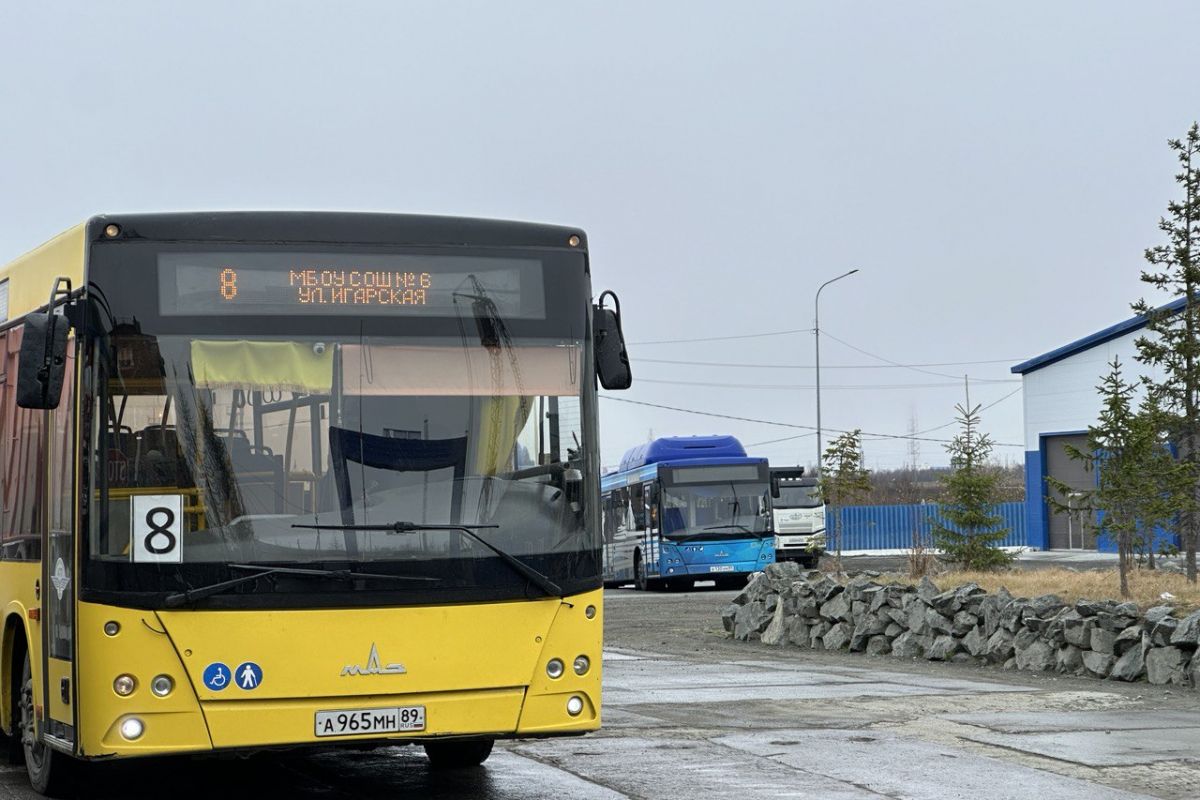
<point>59,571</point>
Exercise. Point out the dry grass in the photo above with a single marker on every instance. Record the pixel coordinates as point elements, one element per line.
<point>1146,586</point>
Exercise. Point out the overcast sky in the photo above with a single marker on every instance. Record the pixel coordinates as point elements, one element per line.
<point>994,173</point>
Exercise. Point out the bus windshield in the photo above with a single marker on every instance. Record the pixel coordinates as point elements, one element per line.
<point>799,497</point>
<point>729,510</point>
<point>248,436</point>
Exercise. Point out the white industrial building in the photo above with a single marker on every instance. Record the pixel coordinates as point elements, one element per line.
<point>1061,401</point>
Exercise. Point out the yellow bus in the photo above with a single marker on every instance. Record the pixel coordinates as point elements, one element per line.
<point>279,480</point>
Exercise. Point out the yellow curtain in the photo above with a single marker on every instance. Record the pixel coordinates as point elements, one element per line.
<point>285,366</point>
<point>501,420</point>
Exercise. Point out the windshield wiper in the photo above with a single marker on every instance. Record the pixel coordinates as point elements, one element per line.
<point>538,579</point>
<point>182,598</point>
<point>727,527</point>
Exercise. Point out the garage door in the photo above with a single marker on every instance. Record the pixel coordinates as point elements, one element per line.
<point>1069,530</point>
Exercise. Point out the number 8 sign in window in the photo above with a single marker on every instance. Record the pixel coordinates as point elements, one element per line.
<point>157,522</point>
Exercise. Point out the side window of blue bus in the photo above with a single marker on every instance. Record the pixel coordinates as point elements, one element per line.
<point>652,506</point>
<point>608,516</point>
<point>638,501</point>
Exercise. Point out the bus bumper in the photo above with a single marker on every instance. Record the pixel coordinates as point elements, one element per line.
<point>475,671</point>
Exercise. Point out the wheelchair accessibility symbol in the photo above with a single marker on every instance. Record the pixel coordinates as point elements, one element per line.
<point>216,676</point>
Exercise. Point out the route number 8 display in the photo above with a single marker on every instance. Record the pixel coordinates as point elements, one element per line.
<point>156,528</point>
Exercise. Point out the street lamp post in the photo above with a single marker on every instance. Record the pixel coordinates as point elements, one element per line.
<point>817,339</point>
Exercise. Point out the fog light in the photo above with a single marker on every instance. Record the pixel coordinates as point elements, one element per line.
<point>575,706</point>
<point>112,628</point>
<point>554,668</point>
<point>124,685</point>
<point>582,664</point>
<point>133,728</point>
<point>590,612</point>
<point>162,685</point>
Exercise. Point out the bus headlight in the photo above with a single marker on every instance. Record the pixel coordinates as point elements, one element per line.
<point>124,685</point>
<point>554,668</point>
<point>132,728</point>
<point>162,685</point>
<point>575,706</point>
<point>582,665</point>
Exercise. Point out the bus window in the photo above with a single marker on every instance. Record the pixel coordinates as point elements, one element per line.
<point>638,502</point>
<point>651,491</point>
<point>23,459</point>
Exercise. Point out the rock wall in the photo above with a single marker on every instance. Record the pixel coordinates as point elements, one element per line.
<point>785,605</point>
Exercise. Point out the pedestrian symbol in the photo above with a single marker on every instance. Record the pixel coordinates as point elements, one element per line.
<point>216,676</point>
<point>249,675</point>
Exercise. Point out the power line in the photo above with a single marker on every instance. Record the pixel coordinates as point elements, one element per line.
<point>823,366</point>
<point>887,360</point>
<point>796,386</point>
<point>984,408</point>
<point>781,424</point>
<point>723,338</point>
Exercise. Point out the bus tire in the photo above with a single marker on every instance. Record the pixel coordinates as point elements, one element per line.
<point>50,772</point>
<point>458,753</point>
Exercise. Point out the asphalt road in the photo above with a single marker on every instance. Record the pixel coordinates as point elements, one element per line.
<point>689,713</point>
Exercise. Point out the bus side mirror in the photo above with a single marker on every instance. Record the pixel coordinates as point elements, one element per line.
<point>612,361</point>
<point>775,487</point>
<point>43,361</point>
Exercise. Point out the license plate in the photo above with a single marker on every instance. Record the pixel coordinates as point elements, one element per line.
<point>721,568</point>
<point>359,722</point>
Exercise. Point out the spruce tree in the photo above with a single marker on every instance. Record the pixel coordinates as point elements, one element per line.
<point>1137,480</point>
<point>967,529</point>
<point>844,481</point>
<point>1173,344</point>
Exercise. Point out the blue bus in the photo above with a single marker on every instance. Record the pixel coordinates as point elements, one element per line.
<point>686,509</point>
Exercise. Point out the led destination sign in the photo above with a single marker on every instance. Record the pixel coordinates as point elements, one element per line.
<point>324,283</point>
<point>346,287</point>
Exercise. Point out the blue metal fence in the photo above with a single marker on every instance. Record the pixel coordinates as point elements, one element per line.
<point>892,527</point>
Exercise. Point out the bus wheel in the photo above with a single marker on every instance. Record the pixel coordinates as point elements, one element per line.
<point>49,772</point>
<point>458,754</point>
<point>639,573</point>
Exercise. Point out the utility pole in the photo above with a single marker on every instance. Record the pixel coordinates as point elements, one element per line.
<point>817,340</point>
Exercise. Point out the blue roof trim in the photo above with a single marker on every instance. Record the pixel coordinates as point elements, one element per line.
<point>678,448</point>
<point>1088,342</point>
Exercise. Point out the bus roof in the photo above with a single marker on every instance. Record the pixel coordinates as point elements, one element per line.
<point>32,274</point>
<point>338,227</point>
<point>682,448</point>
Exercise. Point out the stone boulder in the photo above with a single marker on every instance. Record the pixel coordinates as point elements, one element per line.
<point>1166,665</point>
<point>1098,665</point>
<point>1162,631</point>
<point>837,637</point>
<point>908,645</point>
<point>1103,641</point>
<point>837,609</point>
<point>776,630</point>
<point>943,648</point>
<point>1037,656</point>
<point>728,615</point>
<point>927,590</point>
<point>1068,659</point>
<point>1128,638</point>
<point>797,631</point>
<point>1130,666</point>
<point>878,646</point>
<point>1187,633</point>
<point>975,642</point>
<point>751,620</point>
<point>1000,646</point>
<point>964,622</point>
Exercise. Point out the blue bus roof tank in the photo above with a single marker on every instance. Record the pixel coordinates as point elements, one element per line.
<point>682,448</point>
